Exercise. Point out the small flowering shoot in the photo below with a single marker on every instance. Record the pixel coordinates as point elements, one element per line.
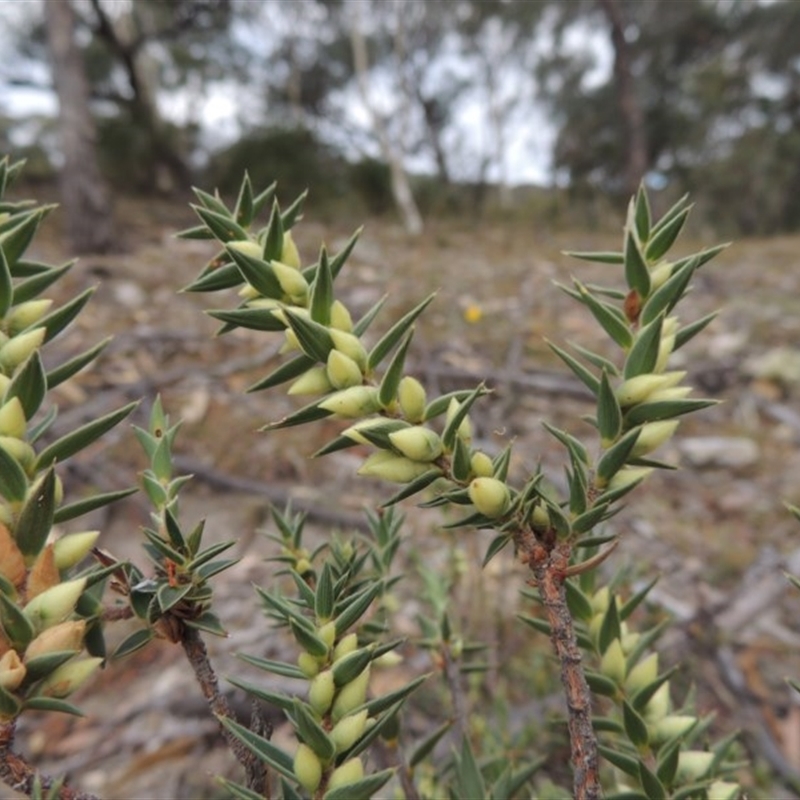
<point>337,618</point>
<point>178,595</point>
<point>424,443</point>
<point>51,627</point>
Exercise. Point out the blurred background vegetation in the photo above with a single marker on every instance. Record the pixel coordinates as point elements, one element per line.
<point>464,107</point>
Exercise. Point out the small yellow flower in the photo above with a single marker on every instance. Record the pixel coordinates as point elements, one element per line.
<point>473,313</point>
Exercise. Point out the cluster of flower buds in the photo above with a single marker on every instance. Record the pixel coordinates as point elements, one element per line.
<point>50,638</point>
<point>654,748</point>
<point>334,719</point>
<point>390,412</point>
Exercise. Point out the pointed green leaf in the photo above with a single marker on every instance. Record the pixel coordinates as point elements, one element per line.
<point>286,372</point>
<point>589,380</point>
<point>451,428</point>
<point>595,360</point>
<point>610,627</point>
<point>495,546</point>
<point>257,319</point>
<point>635,726</point>
<point>222,225</point>
<point>277,699</point>
<point>668,758</point>
<point>239,792</point>
<point>13,480</point>
<point>600,684</point>
<point>442,403</point>
<point>574,446</point>
<point>6,285</point>
<point>322,291</point>
<point>36,516</point>
<point>274,667</point>
<point>617,455</point>
<point>76,441</point>
<point>19,630</point>
<point>51,704</point>
<point>362,789</point>
<point>609,413</point>
<point>244,203</point>
<point>642,216</point>
<point>643,356</point>
<point>36,284</point>
<point>257,272</point>
<point>411,488</point>
<point>309,641</point>
<point>15,241</point>
<point>74,365</point>
<point>309,413</point>
<point>610,318</point>
<point>637,274</point>
<point>29,384</point>
<point>136,641</point>
<point>314,339</point>
<point>195,232</point>
<point>208,623</point>
<point>261,747</point>
<point>294,213</point>
<point>81,507</point>
<point>665,234</point>
<point>273,245</point>
<point>387,342</point>
<point>57,320</point>
<point>461,462</point>
<point>579,604</point>
<point>669,293</point>
<point>169,596</point>
<point>688,332</point>
<point>356,607</point>
<point>224,275</point>
<point>211,202</point>
<point>635,600</point>
<point>311,732</point>
<point>468,778</point>
<point>664,409</point>
<point>387,392</point>
<point>628,764</point>
<point>600,257</point>
<point>323,598</point>
<point>261,200</point>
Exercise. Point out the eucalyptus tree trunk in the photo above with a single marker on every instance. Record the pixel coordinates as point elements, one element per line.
<point>629,106</point>
<point>392,155</point>
<point>86,195</point>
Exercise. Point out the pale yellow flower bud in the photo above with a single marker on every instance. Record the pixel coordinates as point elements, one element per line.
<point>660,274</point>
<point>357,401</point>
<point>665,348</point>
<point>291,280</point>
<point>17,349</point>
<point>342,371</point>
<point>693,765</point>
<point>411,397</point>
<point>327,633</point>
<point>250,293</point>
<point>12,419</point>
<point>247,247</point>
<point>26,314</point>
<point>723,790</point>
<point>54,605</point>
<point>653,435</point>
<point>307,768</point>
<point>481,465</point>
<point>321,691</point>
<point>289,252</point>
<point>673,393</point>
<point>347,644</point>
<point>417,443</point>
<point>20,451</point>
<point>313,381</point>
<point>64,636</point>
<point>350,345</point>
<point>612,664</point>
<point>671,726</point>
<point>64,680</point>
<point>12,670</point>
<point>340,317</point>
<point>465,428</point>
<point>347,731</point>
<point>628,476</point>
<point>350,772</point>
<point>601,600</point>
<point>637,390</point>
<point>308,664</point>
<point>71,549</point>
<point>490,496</point>
<point>644,673</point>
<point>658,706</point>
<point>393,468</point>
<point>351,695</point>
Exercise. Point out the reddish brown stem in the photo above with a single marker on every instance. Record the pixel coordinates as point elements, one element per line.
<point>549,566</point>
<point>17,773</point>
<point>197,655</point>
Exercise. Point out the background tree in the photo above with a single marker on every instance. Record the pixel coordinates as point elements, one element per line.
<point>85,192</point>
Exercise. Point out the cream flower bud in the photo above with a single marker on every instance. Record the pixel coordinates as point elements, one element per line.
<point>671,726</point>
<point>291,280</point>
<point>612,664</point>
<point>307,768</point>
<point>342,371</point>
<point>393,468</point>
<point>54,605</point>
<point>658,705</point>
<point>20,451</point>
<point>490,496</point>
<point>340,317</point>
<point>418,443</point>
<point>644,673</point>
<point>64,680</point>
<point>307,664</point>
<point>665,348</point>
<point>250,293</point>
<point>723,790</point>
<point>540,518</point>
<point>12,419</point>
<point>347,644</point>
<point>356,401</point>
<point>64,636</point>
<point>17,349</point>
<point>653,435</point>
<point>637,390</point>
<point>693,765</point>
<point>247,247</point>
<point>327,633</point>
<point>71,549</point>
<point>481,465</point>
<point>12,670</point>
<point>321,691</point>
<point>290,342</point>
<point>350,345</point>
<point>351,771</point>
<point>26,314</point>
<point>673,393</point>
<point>351,695</point>
<point>465,428</point>
<point>347,730</point>
<point>412,399</point>
<point>628,476</point>
<point>601,600</point>
<point>289,252</point>
<point>313,381</point>
<point>660,274</point>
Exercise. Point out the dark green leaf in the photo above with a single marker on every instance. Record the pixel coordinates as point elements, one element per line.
<point>15,241</point>
<point>364,322</point>
<point>261,747</point>
<point>323,598</point>
<point>315,339</point>
<point>495,546</point>
<point>612,461</point>
<point>468,779</point>
<point>73,442</point>
<point>411,488</point>
<point>6,286</point>
<point>668,759</point>
<point>211,202</point>
<point>386,701</point>
<point>273,245</point>
<point>633,602</point>
<point>637,275</point>
<point>311,732</point>
<point>641,215</point>
<point>579,604</point>
<point>356,607</point>
<point>589,379</point>
<point>257,272</point>
<point>36,516</point>
<point>169,596</point>
<point>209,623</point>
<point>643,356</point>
<point>275,667</point>
<point>609,413</point>
<point>244,203</point>
<point>309,641</point>
<point>688,332</point>
<point>610,318</point>
<point>599,257</point>
<point>51,704</point>
<point>36,284</point>
<point>29,384</point>
<point>309,413</point>
<point>586,521</point>
<point>451,427</point>
<point>600,684</point>
<point>57,320</point>
<point>362,789</point>
<point>669,293</point>
<point>286,372</point>
<point>293,213</point>
<point>628,764</point>
<point>222,225</point>
<point>17,627</point>
<point>277,699</point>
<point>13,480</point>
<point>257,319</point>
<point>69,368</point>
<point>41,666</point>
<point>652,786</point>
<point>136,641</point>
<point>81,507</point>
<point>610,627</point>
<point>322,291</point>
<point>387,342</point>
<point>635,726</point>
<point>239,792</point>
<point>664,409</point>
<point>394,373</point>
<point>224,275</point>
<point>263,198</point>
<point>665,233</point>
